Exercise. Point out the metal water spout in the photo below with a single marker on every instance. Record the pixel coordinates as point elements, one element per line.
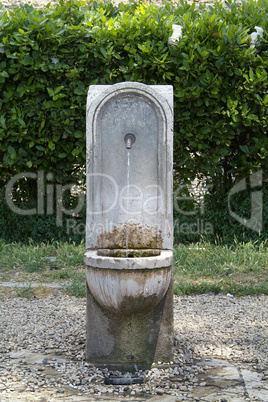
<point>129,140</point>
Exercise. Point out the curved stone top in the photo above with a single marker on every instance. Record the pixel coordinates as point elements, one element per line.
<point>162,94</point>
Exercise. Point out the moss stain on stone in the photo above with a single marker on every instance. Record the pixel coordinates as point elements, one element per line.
<point>139,237</point>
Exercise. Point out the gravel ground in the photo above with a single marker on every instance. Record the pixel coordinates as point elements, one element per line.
<point>53,330</point>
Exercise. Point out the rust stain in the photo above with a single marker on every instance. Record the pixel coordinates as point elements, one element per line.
<point>139,236</point>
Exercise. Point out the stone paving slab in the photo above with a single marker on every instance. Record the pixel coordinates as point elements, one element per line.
<point>255,386</point>
<point>33,285</point>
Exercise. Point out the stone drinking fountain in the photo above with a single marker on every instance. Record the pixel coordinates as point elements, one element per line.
<point>129,232</point>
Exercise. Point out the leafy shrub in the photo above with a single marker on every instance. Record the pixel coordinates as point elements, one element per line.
<point>49,57</point>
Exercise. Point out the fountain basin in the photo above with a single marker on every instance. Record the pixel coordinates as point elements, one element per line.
<point>131,284</point>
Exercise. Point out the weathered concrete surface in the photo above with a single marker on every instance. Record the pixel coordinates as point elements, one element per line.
<point>129,342</point>
<point>129,192</point>
<point>129,206</point>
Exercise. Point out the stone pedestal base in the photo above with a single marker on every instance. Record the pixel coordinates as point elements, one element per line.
<point>129,342</point>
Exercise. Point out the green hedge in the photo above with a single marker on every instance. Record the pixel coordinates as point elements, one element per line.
<point>49,57</point>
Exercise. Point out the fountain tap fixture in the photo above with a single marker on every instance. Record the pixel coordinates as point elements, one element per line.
<point>129,140</point>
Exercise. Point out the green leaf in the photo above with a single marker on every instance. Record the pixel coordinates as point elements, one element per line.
<point>27,60</point>
<point>50,91</point>
<point>22,122</point>
<point>3,122</point>
<point>244,148</point>
<point>79,134</point>
<point>11,150</point>
<point>76,151</point>
<point>180,93</point>
<point>62,155</point>
<point>104,53</point>
<point>59,96</point>
<point>58,89</point>
<point>40,148</point>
